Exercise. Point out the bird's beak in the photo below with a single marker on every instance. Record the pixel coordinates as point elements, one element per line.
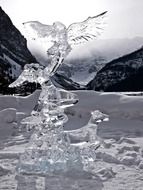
<point>24,23</point>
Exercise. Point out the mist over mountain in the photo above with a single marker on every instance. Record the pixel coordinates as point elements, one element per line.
<point>115,48</point>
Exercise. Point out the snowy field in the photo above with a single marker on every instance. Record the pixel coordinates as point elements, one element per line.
<point>119,163</point>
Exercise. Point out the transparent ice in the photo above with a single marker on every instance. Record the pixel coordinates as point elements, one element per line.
<point>51,150</point>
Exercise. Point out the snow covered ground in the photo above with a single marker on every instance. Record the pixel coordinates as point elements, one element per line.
<point>119,164</point>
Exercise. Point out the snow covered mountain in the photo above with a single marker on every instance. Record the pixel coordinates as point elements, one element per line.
<point>122,74</point>
<point>14,53</point>
<point>83,63</point>
<point>82,70</point>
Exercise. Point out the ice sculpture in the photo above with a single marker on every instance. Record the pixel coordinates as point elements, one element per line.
<point>50,150</point>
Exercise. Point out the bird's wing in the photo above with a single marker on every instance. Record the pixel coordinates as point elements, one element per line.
<point>87,30</point>
<point>38,30</point>
<point>31,73</point>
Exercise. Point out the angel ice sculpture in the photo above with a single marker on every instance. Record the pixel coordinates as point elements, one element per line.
<point>50,150</point>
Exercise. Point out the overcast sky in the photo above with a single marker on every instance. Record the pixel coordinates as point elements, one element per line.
<point>125,17</point>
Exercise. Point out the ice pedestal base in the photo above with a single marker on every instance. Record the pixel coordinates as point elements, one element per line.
<point>49,167</point>
<point>55,161</point>
<point>76,181</point>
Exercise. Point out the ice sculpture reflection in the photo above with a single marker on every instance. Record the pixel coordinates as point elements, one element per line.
<point>51,150</point>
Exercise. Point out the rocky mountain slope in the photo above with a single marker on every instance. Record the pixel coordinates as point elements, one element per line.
<point>122,74</point>
<point>14,53</point>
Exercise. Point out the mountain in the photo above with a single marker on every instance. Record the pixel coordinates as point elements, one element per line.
<point>14,53</point>
<point>83,63</point>
<point>122,74</point>
<point>81,70</point>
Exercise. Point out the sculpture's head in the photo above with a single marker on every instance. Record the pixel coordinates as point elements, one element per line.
<point>98,117</point>
<point>59,26</point>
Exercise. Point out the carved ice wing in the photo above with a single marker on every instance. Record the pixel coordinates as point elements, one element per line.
<point>87,30</point>
<point>31,73</point>
<point>37,30</point>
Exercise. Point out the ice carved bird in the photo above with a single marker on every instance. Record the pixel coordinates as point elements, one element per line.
<point>88,133</point>
<point>63,40</point>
